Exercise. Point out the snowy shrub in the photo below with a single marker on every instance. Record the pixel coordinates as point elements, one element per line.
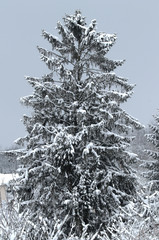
<point>141,220</point>
<point>153,166</point>
<point>12,224</point>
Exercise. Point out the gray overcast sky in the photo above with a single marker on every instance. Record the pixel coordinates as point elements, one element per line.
<point>136,24</point>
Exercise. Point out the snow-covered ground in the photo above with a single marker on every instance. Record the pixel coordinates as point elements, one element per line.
<point>5,178</point>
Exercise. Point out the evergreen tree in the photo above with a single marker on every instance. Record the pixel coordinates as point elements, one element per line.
<point>153,165</point>
<point>74,170</point>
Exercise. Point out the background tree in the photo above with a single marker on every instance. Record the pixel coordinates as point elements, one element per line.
<point>153,165</point>
<point>140,143</point>
<point>8,164</point>
<point>75,170</point>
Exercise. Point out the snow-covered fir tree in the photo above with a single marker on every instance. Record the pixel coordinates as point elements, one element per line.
<point>74,171</point>
<point>153,164</point>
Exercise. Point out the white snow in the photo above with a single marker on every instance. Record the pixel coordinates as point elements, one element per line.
<point>97,192</point>
<point>5,178</point>
<point>82,111</point>
<point>66,202</point>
